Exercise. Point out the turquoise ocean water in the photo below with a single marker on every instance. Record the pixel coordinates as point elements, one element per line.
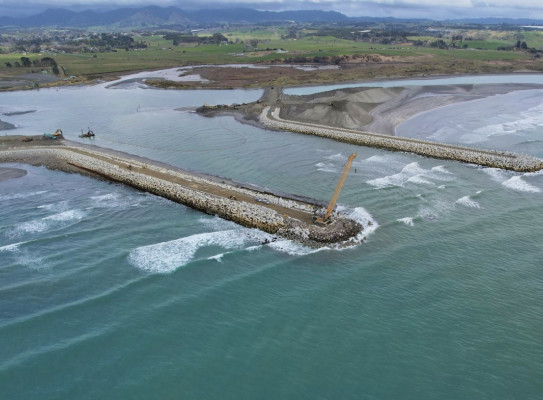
<point>107,292</point>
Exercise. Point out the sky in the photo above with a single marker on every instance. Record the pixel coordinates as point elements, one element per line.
<point>432,9</point>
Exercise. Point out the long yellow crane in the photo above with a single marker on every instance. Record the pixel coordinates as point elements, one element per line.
<point>337,191</point>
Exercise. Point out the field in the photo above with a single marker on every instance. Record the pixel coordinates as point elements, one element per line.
<point>477,51</point>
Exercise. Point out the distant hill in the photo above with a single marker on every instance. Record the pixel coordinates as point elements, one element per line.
<point>164,17</point>
<point>154,16</point>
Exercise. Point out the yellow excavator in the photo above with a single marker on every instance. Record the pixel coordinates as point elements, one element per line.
<point>325,219</point>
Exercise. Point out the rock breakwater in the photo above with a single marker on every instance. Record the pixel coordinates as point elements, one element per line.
<point>488,158</point>
<point>285,217</point>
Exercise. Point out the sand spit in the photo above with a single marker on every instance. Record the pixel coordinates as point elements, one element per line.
<point>286,217</point>
<point>495,159</point>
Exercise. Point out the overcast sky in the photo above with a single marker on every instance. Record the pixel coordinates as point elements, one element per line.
<point>433,9</point>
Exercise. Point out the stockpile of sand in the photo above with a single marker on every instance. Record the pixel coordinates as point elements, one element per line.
<point>346,108</point>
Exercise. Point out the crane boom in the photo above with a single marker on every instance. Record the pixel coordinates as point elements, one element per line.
<point>337,191</point>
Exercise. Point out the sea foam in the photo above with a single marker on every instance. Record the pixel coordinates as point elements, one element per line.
<point>407,220</point>
<point>55,221</point>
<point>516,183</point>
<point>412,173</point>
<point>168,256</point>
<point>467,201</point>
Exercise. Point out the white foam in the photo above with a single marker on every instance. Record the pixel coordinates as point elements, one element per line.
<point>217,257</point>
<point>60,206</point>
<point>24,257</point>
<point>11,247</point>
<point>467,201</point>
<point>441,169</point>
<point>326,167</point>
<point>529,120</point>
<point>291,248</point>
<point>516,183</point>
<point>112,200</point>
<point>496,174</point>
<point>364,218</point>
<point>407,220</point>
<point>69,215</point>
<point>44,224</point>
<point>537,173</point>
<point>432,210</point>
<point>399,179</point>
<point>216,223</point>
<point>420,180</point>
<point>21,195</point>
<point>168,256</point>
<point>441,187</point>
<point>337,157</point>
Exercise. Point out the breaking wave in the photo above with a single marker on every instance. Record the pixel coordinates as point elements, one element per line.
<point>55,221</point>
<point>467,201</point>
<point>412,173</point>
<point>326,167</point>
<point>516,183</point>
<point>407,221</point>
<point>14,196</point>
<point>166,257</point>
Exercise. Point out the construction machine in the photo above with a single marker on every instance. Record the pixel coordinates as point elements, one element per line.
<point>88,134</point>
<point>325,218</point>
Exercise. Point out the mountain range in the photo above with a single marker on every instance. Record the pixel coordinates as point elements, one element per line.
<point>164,17</point>
<point>154,16</point>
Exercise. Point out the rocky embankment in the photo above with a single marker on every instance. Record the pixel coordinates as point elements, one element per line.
<point>509,161</point>
<point>284,217</point>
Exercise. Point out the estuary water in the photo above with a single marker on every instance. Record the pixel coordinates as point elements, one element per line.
<point>107,292</point>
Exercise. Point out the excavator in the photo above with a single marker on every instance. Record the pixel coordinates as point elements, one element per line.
<point>53,135</point>
<point>88,134</point>
<point>325,218</point>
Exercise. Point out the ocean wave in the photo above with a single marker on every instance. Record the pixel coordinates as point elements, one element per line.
<point>433,210</point>
<point>168,256</point>
<point>529,120</point>
<point>467,201</point>
<point>14,196</point>
<point>407,221</point>
<point>60,206</point>
<point>24,257</point>
<point>337,157</point>
<point>11,247</point>
<point>326,167</point>
<point>516,183</point>
<point>412,173</point>
<point>55,221</point>
<point>364,218</point>
<point>420,180</point>
<point>113,200</point>
<point>496,174</point>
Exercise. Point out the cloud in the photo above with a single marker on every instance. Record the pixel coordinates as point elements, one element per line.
<point>433,9</point>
